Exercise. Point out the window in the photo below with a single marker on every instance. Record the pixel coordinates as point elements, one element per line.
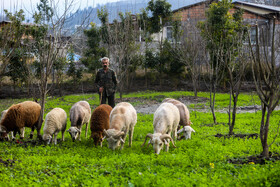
<point>169,33</point>
<point>253,34</point>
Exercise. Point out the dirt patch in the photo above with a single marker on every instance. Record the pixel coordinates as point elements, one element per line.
<point>242,136</point>
<point>214,124</point>
<point>255,159</point>
<point>192,99</point>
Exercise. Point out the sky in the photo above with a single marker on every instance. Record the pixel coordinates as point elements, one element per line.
<point>30,5</point>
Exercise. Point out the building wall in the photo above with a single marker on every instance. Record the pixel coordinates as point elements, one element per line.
<point>196,12</point>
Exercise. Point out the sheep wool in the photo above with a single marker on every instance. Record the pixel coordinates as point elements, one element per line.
<point>166,120</point>
<point>80,114</point>
<point>98,122</point>
<point>123,118</point>
<point>25,114</point>
<point>55,122</point>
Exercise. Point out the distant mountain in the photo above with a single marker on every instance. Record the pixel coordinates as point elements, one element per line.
<point>87,15</point>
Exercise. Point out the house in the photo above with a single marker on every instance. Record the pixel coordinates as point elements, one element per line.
<point>253,13</point>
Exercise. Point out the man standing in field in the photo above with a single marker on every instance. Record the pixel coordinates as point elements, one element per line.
<point>106,82</point>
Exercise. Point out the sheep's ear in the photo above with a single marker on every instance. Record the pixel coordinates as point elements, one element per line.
<point>104,138</point>
<point>67,130</point>
<point>192,130</point>
<point>105,132</point>
<point>122,140</point>
<point>180,131</point>
<point>78,129</point>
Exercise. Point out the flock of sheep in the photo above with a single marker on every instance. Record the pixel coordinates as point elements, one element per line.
<point>106,122</point>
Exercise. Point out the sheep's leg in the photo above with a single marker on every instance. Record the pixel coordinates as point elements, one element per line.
<point>167,145</point>
<point>79,134</point>
<point>122,143</point>
<point>86,129</point>
<point>22,133</point>
<point>130,136</point>
<point>62,134</point>
<point>175,134</point>
<point>55,138</point>
<point>32,132</point>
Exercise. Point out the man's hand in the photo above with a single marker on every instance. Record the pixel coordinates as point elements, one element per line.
<point>101,89</point>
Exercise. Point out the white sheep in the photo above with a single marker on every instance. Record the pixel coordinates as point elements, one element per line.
<point>80,114</point>
<point>187,131</point>
<point>55,122</point>
<point>123,118</point>
<point>166,120</point>
<point>184,117</point>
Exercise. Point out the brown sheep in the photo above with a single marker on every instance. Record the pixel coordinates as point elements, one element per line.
<point>98,122</point>
<point>25,114</point>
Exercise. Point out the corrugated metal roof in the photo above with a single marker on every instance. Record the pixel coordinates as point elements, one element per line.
<point>262,6</point>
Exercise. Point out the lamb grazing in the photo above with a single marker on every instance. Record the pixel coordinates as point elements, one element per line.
<point>184,117</point>
<point>80,114</point>
<point>99,122</point>
<point>18,116</point>
<point>123,118</point>
<point>166,120</point>
<point>187,131</point>
<point>55,122</point>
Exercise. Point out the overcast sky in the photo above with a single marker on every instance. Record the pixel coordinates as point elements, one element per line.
<point>29,5</point>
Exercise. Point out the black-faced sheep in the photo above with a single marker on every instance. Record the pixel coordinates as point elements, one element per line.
<point>18,116</point>
<point>184,117</point>
<point>80,114</point>
<point>123,118</point>
<point>99,122</point>
<point>55,122</point>
<point>166,120</point>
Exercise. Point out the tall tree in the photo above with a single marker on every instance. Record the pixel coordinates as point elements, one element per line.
<point>48,43</point>
<point>220,30</point>
<point>95,51</point>
<point>161,12</point>
<point>11,39</point>
<point>266,73</point>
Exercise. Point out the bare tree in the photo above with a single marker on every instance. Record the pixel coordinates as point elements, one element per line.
<point>192,53</point>
<point>235,66</point>
<point>122,36</point>
<point>49,44</point>
<point>266,76</point>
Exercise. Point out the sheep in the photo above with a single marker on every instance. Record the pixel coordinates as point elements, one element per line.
<point>18,116</point>
<point>184,117</point>
<point>166,120</point>
<point>55,122</point>
<point>80,114</point>
<point>98,122</point>
<point>187,131</point>
<point>123,118</point>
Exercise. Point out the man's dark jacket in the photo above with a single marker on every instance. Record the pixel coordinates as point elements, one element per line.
<point>106,80</point>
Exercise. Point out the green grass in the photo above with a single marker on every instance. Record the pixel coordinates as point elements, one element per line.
<point>201,161</point>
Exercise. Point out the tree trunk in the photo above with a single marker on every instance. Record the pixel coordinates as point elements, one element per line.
<point>233,114</point>
<point>146,78</point>
<point>265,130</point>
<point>212,106</point>
<point>230,132</point>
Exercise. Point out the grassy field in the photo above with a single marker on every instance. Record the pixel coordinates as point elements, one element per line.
<point>205,160</point>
